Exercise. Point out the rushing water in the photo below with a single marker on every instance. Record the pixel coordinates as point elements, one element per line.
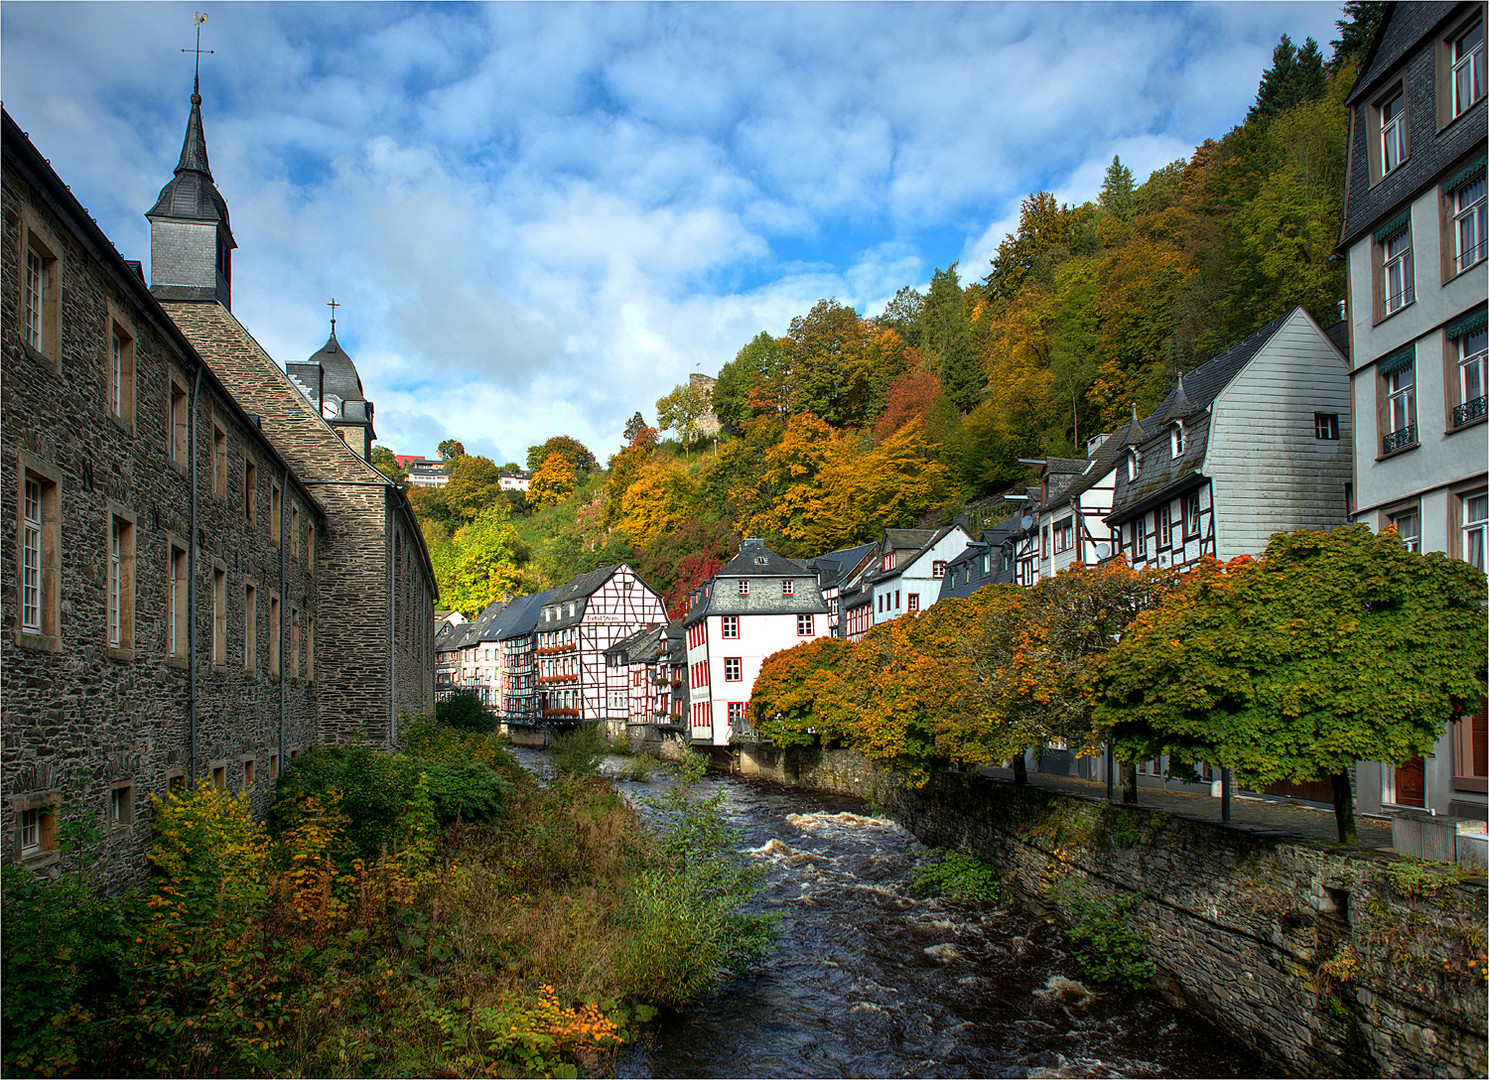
<point>870,979</point>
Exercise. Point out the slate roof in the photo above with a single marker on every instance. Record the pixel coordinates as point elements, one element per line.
<point>755,559</point>
<point>339,373</point>
<point>1159,472</point>
<point>523,615</point>
<point>1102,462</point>
<point>720,596</point>
<point>642,647</point>
<point>835,566</point>
<point>191,195</point>
<point>1406,41</point>
<point>990,542</point>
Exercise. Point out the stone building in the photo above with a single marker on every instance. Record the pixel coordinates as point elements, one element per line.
<point>205,578</point>
<point>376,632</point>
<point>162,590</point>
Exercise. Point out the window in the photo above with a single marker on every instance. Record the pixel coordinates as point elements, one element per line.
<point>1469,225</point>
<point>938,568</point>
<point>1396,271</point>
<point>38,830</point>
<point>1064,535</point>
<point>1401,408</point>
<point>1044,542</point>
<point>249,771</point>
<point>250,491</point>
<point>1131,466</point>
<point>250,627</point>
<point>1475,511</point>
<point>788,587</point>
<point>41,294</point>
<point>729,626</point>
<point>273,766</point>
<point>219,777</point>
<point>295,529</point>
<point>39,555</point>
<point>219,615</point>
<point>219,461</point>
<point>1176,439</point>
<point>294,643</point>
<point>1468,68</point>
<point>1408,523</point>
<point>1326,425</point>
<point>744,586</point>
<point>888,560</point>
<point>912,601</point>
<point>1140,537</point>
<point>1165,526</point>
<point>733,669</point>
<point>121,806</point>
<point>121,373</point>
<point>1393,145</point>
<point>804,625</point>
<point>1472,348</point>
<point>274,511</point>
<point>310,547</point>
<point>177,432</point>
<point>736,714</point>
<point>176,606</point>
<point>120,600</point>
<point>1191,514</point>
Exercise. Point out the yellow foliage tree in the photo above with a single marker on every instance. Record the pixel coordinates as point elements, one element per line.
<point>553,482</point>
<point>657,502</point>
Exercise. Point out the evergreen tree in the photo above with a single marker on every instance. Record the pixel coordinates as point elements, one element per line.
<point>1296,75</point>
<point>633,427</point>
<point>1117,190</point>
<point>1357,29</point>
<point>947,340</point>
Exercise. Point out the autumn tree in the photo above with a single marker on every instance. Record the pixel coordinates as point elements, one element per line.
<point>386,462</point>
<point>909,399</point>
<point>801,695</point>
<point>481,563</point>
<point>750,368</point>
<point>1333,647</point>
<point>634,426</point>
<point>474,485</point>
<point>553,481</point>
<point>657,501</point>
<point>573,451</point>
<point>833,365</point>
<point>450,449</point>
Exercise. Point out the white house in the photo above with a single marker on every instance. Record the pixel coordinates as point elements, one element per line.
<point>757,604</point>
<point>903,578</point>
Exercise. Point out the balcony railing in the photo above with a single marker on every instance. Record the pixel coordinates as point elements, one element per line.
<point>1399,440</point>
<point>1469,411</point>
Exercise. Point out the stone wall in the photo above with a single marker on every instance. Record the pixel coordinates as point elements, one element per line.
<point>1326,960</point>
<point>85,719</point>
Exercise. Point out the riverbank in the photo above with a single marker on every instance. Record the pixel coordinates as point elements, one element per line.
<point>1325,960</point>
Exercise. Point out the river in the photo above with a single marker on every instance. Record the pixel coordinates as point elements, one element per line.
<point>872,979</point>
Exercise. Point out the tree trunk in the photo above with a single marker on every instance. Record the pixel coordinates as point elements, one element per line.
<point>1129,782</point>
<point>1344,808</point>
<point>1020,769</point>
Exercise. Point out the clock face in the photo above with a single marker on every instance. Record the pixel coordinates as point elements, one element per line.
<point>329,410</point>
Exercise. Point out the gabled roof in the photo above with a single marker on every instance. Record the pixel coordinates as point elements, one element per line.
<point>754,559</point>
<point>835,566</point>
<point>914,542</point>
<point>522,615</point>
<point>1098,467</point>
<point>641,647</point>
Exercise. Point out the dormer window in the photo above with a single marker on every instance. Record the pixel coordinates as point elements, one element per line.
<point>1131,465</point>
<point>788,587</point>
<point>1176,439</point>
<point>889,560</point>
<point>744,586</point>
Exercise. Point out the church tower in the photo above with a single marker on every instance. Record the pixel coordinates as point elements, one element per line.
<point>330,380</point>
<point>191,242</point>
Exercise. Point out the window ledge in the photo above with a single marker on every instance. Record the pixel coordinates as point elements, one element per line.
<point>1392,314</point>
<point>40,860</point>
<point>122,424</point>
<point>176,662</point>
<point>1397,453</point>
<point>1464,427</point>
<point>41,358</point>
<point>50,643</point>
<point>219,669</point>
<point>1470,268</point>
<point>125,656</point>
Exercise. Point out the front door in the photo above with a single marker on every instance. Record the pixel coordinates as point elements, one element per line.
<point>1411,783</point>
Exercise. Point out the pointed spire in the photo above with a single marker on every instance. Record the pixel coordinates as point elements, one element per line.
<point>194,146</point>
<point>1181,406</point>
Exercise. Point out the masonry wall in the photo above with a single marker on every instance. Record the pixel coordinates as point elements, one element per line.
<point>84,718</point>
<point>1327,960</point>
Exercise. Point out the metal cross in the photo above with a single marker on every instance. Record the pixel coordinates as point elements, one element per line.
<point>333,305</point>
<point>201,17</point>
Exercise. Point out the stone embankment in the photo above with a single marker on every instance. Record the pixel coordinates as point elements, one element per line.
<point>1328,960</point>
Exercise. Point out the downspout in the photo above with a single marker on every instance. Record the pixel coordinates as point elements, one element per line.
<point>284,498</point>
<point>191,546</point>
<point>392,526</point>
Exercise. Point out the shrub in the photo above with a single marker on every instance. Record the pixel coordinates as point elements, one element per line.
<point>1109,949</point>
<point>641,768</point>
<point>468,790</point>
<point>958,875</point>
<point>464,711</point>
<point>578,752</point>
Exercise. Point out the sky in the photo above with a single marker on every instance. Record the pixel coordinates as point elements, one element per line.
<point>538,219</point>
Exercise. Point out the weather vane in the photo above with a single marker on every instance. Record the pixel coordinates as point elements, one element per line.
<point>333,305</point>
<point>196,79</point>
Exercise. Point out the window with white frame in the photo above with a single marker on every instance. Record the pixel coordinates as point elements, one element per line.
<point>40,294</point>
<point>1191,514</point>
<point>744,586</point>
<point>1326,425</point>
<point>31,597</point>
<point>1165,526</point>
<point>1468,67</point>
<point>121,583</point>
<point>1472,347</point>
<point>34,297</point>
<point>736,714</point>
<point>788,587</point>
<point>888,561</point>
<point>1131,465</point>
<point>121,374</point>
<point>1408,524</point>
<point>912,601</point>
<point>1064,535</point>
<point>1475,511</point>
<point>1401,408</point>
<point>1470,224</point>
<point>804,625</point>
<point>1396,270</point>
<point>1392,132</point>
<point>1176,439</point>
<point>1140,537</point>
<point>938,568</point>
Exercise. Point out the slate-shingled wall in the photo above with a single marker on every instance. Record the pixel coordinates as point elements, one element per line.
<point>81,719</point>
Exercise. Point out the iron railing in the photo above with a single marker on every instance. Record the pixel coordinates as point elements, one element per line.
<point>1469,411</point>
<point>1399,440</point>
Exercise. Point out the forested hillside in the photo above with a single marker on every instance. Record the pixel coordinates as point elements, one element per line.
<point>847,424</point>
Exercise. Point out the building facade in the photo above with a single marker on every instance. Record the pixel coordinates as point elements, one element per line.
<point>1414,238</point>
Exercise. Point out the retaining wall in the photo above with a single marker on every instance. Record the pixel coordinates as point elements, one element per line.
<point>1326,960</point>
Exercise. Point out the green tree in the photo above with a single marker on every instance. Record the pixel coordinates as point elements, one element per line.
<point>947,340</point>
<point>1334,647</point>
<point>475,485</point>
<point>386,462</point>
<point>1362,18</point>
<point>683,409</point>
<point>482,561</point>
<point>574,451</point>
<point>902,314</point>
<point>450,449</point>
<point>1117,191</point>
<point>1296,75</point>
<point>634,426</point>
<point>741,378</point>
